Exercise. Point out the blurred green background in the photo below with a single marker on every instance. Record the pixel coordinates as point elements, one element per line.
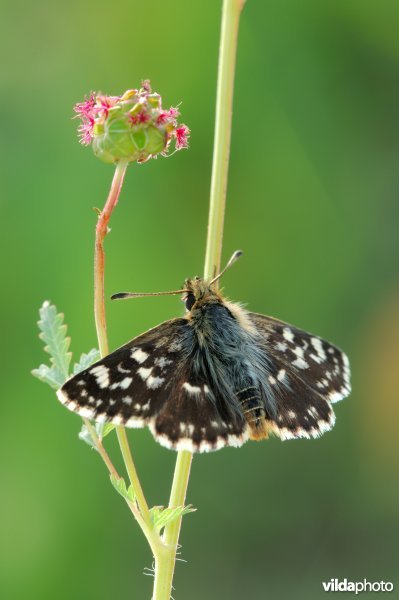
<point>312,200</point>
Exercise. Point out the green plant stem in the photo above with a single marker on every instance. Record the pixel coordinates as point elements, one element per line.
<point>131,469</point>
<point>100,449</point>
<point>152,537</point>
<point>101,323</point>
<point>166,559</point>
<point>224,109</point>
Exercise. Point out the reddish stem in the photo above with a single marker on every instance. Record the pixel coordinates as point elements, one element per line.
<point>99,256</point>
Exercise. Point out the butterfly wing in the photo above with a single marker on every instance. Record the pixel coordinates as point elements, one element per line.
<point>149,381</point>
<point>305,374</point>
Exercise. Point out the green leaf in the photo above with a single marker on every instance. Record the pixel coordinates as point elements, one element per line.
<point>161,516</point>
<point>106,428</point>
<point>120,486</point>
<point>53,333</point>
<point>86,360</point>
<point>49,375</point>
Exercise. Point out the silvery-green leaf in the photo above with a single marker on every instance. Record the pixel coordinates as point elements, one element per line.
<point>86,360</point>
<point>49,375</point>
<point>84,435</point>
<point>53,333</point>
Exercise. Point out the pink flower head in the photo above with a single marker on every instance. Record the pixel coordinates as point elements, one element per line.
<point>132,127</point>
<point>168,116</point>
<point>181,134</point>
<point>104,103</point>
<point>141,117</point>
<point>85,109</point>
<point>85,132</point>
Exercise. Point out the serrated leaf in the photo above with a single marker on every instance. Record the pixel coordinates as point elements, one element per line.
<point>53,333</point>
<point>86,360</point>
<point>162,516</point>
<point>120,486</point>
<point>49,375</point>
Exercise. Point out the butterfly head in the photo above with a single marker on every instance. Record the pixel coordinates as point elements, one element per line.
<point>197,292</point>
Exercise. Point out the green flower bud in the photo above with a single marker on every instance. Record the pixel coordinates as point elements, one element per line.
<point>133,127</point>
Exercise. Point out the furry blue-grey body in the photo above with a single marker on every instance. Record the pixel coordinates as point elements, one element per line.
<point>229,359</point>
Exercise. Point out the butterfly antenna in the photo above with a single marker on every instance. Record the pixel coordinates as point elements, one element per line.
<point>231,262</point>
<point>125,295</point>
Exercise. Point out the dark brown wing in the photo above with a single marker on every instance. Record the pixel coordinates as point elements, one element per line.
<point>306,375</point>
<point>149,381</point>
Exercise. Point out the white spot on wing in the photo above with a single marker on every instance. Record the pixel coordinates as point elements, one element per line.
<point>162,362</point>
<point>101,374</point>
<point>134,422</point>
<point>144,373</point>
<point>86,412</point>
<point>191,389</point>
<point>316,358</point>
<point>118,420</point>
<point>300,363</point>
<point>174,346</point>
<point>298,351</point>
<point>318,346</point>
<point>281,375</point>
<point>288,335</point>
<point>101,418</point>
<point>139,355</point>
<point>281,346</point>
<point>154,382</point>
<point>124,384</point>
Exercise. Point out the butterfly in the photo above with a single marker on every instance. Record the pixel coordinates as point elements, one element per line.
<point>217,377</point>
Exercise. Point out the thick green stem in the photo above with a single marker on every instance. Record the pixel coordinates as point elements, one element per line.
<point>166,558</point>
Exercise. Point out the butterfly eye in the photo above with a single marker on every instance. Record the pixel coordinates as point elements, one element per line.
<point>189,301</point>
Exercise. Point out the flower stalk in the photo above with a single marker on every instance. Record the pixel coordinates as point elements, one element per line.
<point>165,564</point>
<point>99,257</point>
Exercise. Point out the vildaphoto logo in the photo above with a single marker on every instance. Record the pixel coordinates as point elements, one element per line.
<point>336,585</point>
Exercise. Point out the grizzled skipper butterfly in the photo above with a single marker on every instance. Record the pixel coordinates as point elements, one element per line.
<point>216,377</point>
